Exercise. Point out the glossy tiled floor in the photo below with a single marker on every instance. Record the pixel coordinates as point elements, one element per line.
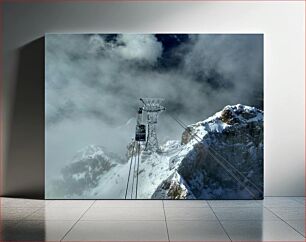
<point>274,219</point>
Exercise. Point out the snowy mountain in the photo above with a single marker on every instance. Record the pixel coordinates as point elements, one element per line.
<point>84,172</point>
<point>221,156</point>
<point>218,158</point>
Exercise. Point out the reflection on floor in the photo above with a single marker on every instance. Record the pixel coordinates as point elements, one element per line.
<point>274,219</point>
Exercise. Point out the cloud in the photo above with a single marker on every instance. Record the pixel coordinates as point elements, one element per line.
<point>139,47</point>
<point>94,82</point>
<point>128,47</point>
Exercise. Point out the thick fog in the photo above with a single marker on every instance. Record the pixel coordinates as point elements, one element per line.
<point>94,82</point>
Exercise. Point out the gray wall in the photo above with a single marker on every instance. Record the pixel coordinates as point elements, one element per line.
<point>23,82</point>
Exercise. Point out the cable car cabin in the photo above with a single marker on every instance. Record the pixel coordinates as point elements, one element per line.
<point>140,132</point>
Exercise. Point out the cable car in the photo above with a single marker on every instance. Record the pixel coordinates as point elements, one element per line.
<point>140,128</point>
<point>140,132</point>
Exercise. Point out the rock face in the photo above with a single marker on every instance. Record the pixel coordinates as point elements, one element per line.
<point>215,151</point>
<point>173,187</point>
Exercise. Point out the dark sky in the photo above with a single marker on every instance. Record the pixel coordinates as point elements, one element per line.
<point>94,82</point>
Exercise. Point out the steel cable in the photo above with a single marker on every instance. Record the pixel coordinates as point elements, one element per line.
<point>128,181</point>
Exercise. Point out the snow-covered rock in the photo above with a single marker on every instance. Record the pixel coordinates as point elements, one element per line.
<point>218,158</point>
<point>154,168</point>
<point>174,187</point>
<point>231,141</point>
<point>84,171</point>
<point>197,167</point>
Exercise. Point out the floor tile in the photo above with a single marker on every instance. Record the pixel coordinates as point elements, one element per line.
<point>281,202</point>
<point>300,200</point>
<point>70,203</point>
<point>39,230</point>
<point>244,214</point>
<point>290,213</point>
<point>127,203</point>
<point>118,231</point>
<point>185,204</point>
<point>50,213</point>
<point>196,231</point>
<point>234,203</point>
<point>21,203</point>
<point>10,213</point>
<point>298,225</point>
<point>261,231</point>
<point>189,214</point>
<point>140,220</point>
<point>131,213</point>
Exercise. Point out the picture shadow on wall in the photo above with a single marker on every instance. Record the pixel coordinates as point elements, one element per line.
<point>24,172</point>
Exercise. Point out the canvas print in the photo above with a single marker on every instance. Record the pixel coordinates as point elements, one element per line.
<point>154,116</point>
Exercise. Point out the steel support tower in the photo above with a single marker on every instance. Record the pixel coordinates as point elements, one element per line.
<point>153,107</point>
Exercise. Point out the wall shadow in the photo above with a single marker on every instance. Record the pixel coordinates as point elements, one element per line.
<point>24,171</point>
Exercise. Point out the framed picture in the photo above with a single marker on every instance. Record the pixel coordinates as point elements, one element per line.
<point>154,116</point>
